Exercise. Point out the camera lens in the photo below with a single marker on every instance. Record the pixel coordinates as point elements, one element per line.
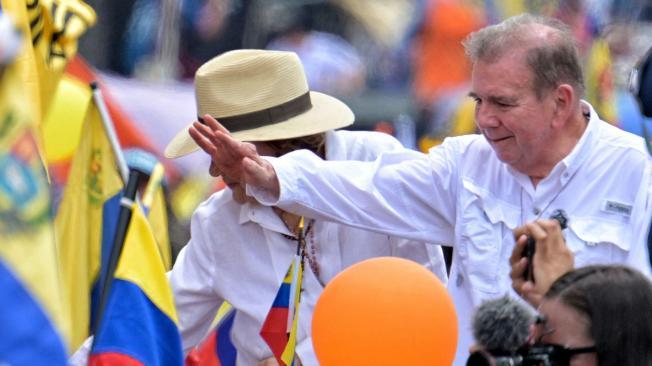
<point>479,358</point>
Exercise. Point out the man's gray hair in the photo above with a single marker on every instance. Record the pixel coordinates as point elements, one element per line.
<point>553,60</point>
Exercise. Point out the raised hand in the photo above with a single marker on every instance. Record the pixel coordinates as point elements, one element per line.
<point>238,160</point>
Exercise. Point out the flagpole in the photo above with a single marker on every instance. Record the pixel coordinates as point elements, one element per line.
<point>126,204</point>
<point>110,131</point>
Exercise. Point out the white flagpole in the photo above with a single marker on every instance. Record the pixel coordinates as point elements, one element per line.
<point>110,132</point>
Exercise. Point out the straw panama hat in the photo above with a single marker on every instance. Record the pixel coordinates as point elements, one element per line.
<point>260,95</point>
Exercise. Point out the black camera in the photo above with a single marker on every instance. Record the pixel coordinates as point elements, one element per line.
<point>530,247</point>
<point>530,355</point>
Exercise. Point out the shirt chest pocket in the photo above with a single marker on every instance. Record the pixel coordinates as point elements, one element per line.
<point>598,241</point>
<point>485,238</point>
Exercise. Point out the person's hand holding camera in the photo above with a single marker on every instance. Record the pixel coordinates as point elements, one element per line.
<point>552,259</point>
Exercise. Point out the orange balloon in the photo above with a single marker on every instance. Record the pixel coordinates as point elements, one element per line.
<point>385,311</point>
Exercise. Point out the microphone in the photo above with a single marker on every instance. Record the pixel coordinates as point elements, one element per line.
<point>501,326</point>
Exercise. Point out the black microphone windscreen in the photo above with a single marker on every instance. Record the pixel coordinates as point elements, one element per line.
<point>502,324</point>
<point>645,91</point>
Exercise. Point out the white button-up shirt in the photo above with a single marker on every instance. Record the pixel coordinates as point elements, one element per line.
<point>461,194</point>
<point>238,254</point>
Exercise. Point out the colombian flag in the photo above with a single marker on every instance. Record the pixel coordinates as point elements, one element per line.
<point>217,349</point>
<point>31,311</point>
<point>280,326</point>
<point>139,324</point>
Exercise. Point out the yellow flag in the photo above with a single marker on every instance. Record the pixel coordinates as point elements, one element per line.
<point>52,28</point>
<point>64,121</point>
<point>599,81</point>
<point>87,202</point>
<point>156,206</point>
<point>28,242</point>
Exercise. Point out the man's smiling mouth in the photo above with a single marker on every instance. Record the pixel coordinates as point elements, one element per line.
<point>500,139</point>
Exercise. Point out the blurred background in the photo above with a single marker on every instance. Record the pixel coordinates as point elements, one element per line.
<point>398,64</point>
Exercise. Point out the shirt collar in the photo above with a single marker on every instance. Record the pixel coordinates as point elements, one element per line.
<point>335,146</point>
<point>263,216</point>
<point>586,143</point>
<point>565,169</point>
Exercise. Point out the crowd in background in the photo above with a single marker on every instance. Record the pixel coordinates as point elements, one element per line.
<point>399,64</point>
<point>118,206</point>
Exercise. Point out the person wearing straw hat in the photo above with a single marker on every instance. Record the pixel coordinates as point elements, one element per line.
<point>240,251</point>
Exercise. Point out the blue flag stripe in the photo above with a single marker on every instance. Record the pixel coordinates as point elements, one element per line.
<point>27,337</point>
<point>138,328</point>
<point>282,296</point>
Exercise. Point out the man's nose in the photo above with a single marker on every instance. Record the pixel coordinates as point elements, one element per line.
<point>485,117</point>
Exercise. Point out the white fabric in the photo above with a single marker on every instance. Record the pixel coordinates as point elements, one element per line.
<point>460,193</point>
<point>237,254</point>
<point>80,356</point>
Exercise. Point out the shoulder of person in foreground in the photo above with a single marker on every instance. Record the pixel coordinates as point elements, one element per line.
<point>359,145</point>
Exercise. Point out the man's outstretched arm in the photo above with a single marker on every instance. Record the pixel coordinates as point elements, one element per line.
<point>402,193</point>
<point>234,158</point>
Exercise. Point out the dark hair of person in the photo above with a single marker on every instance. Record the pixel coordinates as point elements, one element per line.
<point>552,62</point>
<point>315,143</point>
<point>618,303</point>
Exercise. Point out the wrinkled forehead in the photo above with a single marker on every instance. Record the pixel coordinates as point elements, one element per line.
<point>509,72</point>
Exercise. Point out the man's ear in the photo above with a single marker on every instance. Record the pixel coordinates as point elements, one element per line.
<point>563,97</point>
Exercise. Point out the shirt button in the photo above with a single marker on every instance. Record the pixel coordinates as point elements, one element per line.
<point>460,280</point>
<point>566,175</point>
<point>536,211</point>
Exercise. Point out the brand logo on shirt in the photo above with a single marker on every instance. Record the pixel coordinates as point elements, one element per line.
<point>617,207</point>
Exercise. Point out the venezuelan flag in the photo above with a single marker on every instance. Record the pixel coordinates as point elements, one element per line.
<point>31,307</point>
<point>217,349</point>
<point>139,324</point>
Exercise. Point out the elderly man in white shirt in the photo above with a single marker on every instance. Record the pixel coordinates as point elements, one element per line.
<point>542,148</point>
<point>240,251</point>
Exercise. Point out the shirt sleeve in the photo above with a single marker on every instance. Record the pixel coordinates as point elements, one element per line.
<point>191,280</point>
<point>403,193</point>
<point>428,255</point>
